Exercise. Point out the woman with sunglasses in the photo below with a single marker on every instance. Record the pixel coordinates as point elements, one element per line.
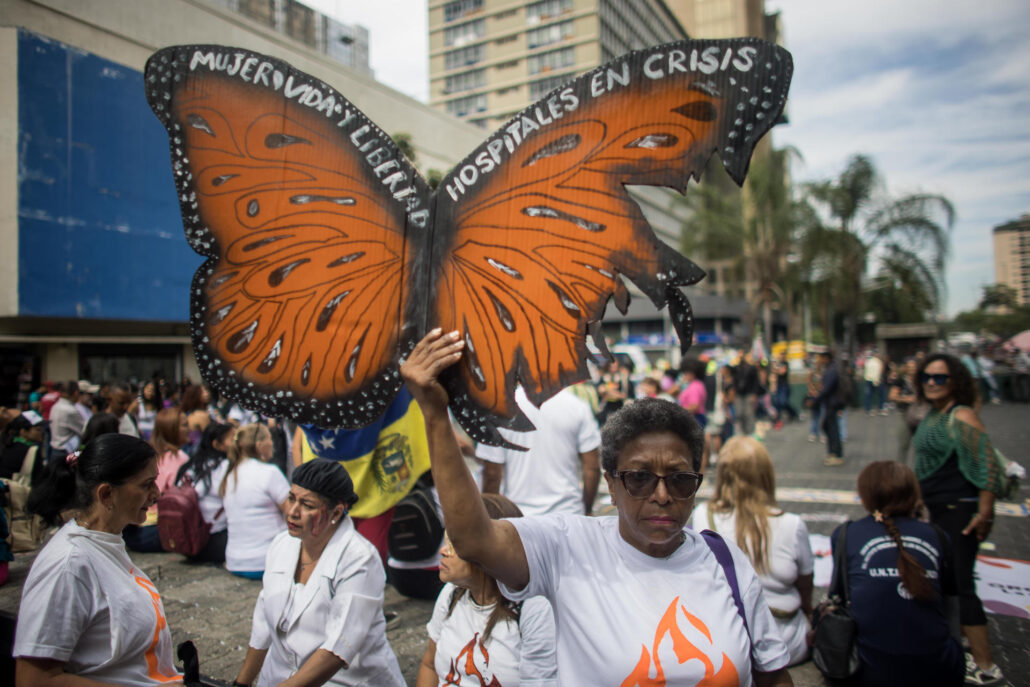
<point>636,595</point>
<point>959,477</point>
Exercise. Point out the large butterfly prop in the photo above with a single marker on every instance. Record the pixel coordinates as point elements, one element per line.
<point>329,256</point>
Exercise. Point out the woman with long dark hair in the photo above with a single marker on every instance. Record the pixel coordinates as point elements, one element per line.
<point>898,574</point>
<point>148,405</point>
<point>478,634</point>
<point>959,476</point>
<point>86,609</point>
<point>205,471</point>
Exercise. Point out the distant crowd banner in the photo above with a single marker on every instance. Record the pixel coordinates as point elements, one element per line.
<point>329,257</point>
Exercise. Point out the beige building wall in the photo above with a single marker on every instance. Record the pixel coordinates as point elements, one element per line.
<point>1012,257</point>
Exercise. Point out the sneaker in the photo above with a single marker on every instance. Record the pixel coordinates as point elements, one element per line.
<point>393,619</point>
<point>975,675</point>
<point>813,438</point>
<point>833,462</point>
<point>885,412</point>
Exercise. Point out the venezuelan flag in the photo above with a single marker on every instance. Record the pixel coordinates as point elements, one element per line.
<point>384,459</point>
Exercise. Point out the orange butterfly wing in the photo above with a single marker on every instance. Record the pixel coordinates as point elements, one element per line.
<point>299,310</point>
<point>541,238</point>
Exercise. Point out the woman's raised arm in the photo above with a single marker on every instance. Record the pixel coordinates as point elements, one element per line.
<point>493,544</point>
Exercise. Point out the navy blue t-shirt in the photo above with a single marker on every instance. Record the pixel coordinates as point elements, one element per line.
<point>888,618</point>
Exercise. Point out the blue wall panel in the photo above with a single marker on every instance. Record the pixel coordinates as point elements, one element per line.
<point>100,234</point>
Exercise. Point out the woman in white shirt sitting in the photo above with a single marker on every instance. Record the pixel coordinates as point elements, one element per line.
<point>86,610</point>
<point>744,509</point>
<point>254,493</point>
<point>319,618</point>
<point>476,633</point>
<point>205,472</point>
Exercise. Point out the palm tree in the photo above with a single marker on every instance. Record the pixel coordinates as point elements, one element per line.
<point>754,229</point>
<point>907,238</point>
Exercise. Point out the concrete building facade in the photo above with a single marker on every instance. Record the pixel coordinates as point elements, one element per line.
<point>95,272</point>
<point>488,59</point>
<point>1012,257</point>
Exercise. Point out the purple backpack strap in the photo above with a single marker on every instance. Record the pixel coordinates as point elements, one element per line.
<point>722,554</point>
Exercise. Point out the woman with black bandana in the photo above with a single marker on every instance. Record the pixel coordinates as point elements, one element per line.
<point>319,617</point>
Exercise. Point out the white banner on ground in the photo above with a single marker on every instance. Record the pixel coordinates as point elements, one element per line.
<point>1003,584</point>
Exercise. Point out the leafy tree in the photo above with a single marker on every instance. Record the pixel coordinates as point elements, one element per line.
<point>753,228</point>
<point>907,238</point>
<point>999,296</point>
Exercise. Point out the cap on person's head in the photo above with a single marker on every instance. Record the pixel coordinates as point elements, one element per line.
<point>86,388</point>
<point>328,479</point>
<point>33,417</point>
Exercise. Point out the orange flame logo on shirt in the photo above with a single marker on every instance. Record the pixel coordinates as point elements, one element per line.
<point>641,676</point>
<point>469,655</point>
<point>153,671</point>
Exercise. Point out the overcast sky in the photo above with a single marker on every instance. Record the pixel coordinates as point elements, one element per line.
<point>937,92</point>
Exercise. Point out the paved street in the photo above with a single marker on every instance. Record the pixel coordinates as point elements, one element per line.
<point>212,607</point>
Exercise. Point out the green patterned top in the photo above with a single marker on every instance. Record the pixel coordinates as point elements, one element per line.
<point>941,434</point>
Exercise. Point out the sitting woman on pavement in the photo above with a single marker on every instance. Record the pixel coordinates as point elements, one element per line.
<point>744,510</point>
<point>254,494</point>
<point>86,609</point>
<point>169,435</point>
<point>899,571</point>
<point>319,618</point>
<point>476,636</point>
<point>205,471</point>
<point>619,586</point>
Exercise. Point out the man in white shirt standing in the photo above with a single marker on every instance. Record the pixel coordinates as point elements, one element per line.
<point>546,478</point>
<point>118,403</point>
<point>873,376</point>
<point>65,422</point>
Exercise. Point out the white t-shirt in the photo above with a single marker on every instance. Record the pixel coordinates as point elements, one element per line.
<point>623,617</point>
<point>517,652</point>
<point>85,604</point>
<point>339,609</point>
<point>252,497</point>
<point>790,556</point>
<point>210,502</point>
<point>546,478</point>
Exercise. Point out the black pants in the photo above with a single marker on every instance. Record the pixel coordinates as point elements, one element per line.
<point>214,550</point>
<point>953,518</point>
<point>831,425</point>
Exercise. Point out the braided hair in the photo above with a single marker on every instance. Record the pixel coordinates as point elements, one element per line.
<point>888,489</point>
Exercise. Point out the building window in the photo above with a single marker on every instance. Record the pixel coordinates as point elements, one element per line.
<point>547,9</point>
<point>466,81</point>
<point>508,65</point>
<point>463,34</point>
<point>546,35</point>
<point>453,11</point>
<point>506,39</point>
<point>463,57</point>
<point>465,106</point>
<point>508,91</point>
<point>542,87</point>
<point>481,123</point>
<point>551,61</point>
<point>506,13</point>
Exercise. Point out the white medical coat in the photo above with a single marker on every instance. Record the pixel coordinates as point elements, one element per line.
<point>339,609</point>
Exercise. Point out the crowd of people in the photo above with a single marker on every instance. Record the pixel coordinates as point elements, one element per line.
<point>530,588</point>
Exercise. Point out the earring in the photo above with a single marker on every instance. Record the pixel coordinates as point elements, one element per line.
<point>332,522</point>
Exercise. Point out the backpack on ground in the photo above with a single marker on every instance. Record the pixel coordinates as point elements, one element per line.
<point>416,531</point>
<point>180,523</point>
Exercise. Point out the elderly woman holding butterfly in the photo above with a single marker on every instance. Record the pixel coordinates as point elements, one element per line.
<point>637,597</point>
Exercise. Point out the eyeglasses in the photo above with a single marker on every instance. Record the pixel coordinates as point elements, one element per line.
<point>938,379</point>
<point>641,483</point>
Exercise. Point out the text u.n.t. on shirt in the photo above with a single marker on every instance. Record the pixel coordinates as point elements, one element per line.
<point>85,604</point>
<point>626,618</point>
